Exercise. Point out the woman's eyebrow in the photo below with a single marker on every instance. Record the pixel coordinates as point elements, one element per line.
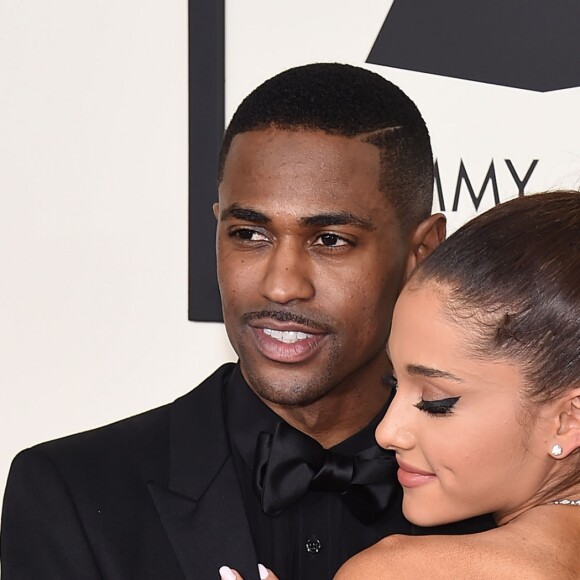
<point>431,372</point>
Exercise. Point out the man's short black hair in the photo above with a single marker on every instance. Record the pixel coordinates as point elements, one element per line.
<point>345,100</point>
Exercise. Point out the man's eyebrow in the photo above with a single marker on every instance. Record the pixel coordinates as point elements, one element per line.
<point>342,218</point>
<point>432,373</point>
<point>247,214</point>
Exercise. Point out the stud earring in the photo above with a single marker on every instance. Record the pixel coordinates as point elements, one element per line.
<point>556,450</point>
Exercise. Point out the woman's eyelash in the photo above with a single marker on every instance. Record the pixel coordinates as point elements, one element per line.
<point>433,407</point>
<point>437,407</point>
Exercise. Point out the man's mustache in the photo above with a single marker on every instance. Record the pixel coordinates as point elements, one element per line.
<point>288,316</point>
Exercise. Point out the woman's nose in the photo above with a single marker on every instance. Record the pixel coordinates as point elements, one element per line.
<point>395,431</point>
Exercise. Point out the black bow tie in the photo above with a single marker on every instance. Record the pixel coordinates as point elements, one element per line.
<point>289,463</point>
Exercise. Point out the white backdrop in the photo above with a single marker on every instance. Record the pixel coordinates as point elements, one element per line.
<point>93,187</point>
<point>93,217</point>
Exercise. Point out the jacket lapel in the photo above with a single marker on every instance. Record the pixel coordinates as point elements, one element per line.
<point>201,506</point>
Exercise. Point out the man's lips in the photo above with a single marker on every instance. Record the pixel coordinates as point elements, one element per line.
<point>286,342</point>
<point>410,476</point>
<point>289,326</point>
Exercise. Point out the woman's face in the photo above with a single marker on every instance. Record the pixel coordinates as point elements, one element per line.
<point>466,440</point>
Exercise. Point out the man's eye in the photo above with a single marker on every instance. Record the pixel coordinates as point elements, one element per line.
<point>249,235</point>
<point>330,241</point>
<point>437,407</point>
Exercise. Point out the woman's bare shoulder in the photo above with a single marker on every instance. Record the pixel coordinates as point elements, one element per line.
<point>401,557</point>
<point>478,556</point>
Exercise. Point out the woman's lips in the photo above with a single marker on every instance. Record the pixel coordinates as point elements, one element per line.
<point>287,343</point>
<point>410,476</point>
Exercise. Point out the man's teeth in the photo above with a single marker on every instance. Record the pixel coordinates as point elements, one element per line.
<point>287,336</point>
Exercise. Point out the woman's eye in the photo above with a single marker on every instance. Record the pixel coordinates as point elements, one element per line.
<point>437,407</point>
<point>248,235</point>
<point>330,241</point>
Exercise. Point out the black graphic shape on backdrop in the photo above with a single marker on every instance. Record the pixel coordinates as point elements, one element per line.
<point>206,127</point>
<point>525,44</point>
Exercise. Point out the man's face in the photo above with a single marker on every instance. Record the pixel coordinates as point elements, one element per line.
<point>310,261</point>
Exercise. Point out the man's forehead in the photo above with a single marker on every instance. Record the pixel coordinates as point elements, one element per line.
<point>310,177</point>
<point>304,167</point>
<point>272,141</point>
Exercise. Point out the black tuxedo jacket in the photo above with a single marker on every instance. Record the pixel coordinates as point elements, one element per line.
<point>155,496</point>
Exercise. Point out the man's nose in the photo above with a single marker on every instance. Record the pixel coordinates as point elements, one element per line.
<point>288,274</point>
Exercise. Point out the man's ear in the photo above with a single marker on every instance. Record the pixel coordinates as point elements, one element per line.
<point>424,239</point>
<point>216,211</point>
<point>568,424</point>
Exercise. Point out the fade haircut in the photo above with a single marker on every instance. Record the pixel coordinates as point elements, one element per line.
<point>349,101</point>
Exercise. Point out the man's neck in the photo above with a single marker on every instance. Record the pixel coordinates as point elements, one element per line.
<point>338,415</point>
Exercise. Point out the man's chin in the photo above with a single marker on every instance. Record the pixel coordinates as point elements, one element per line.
<point>286,391</point>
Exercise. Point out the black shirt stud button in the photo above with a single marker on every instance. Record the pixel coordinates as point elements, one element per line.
<point>313,546</point>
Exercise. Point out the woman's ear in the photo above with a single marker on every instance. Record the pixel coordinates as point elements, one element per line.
<point>567,438</point>
<point>424,239</point>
